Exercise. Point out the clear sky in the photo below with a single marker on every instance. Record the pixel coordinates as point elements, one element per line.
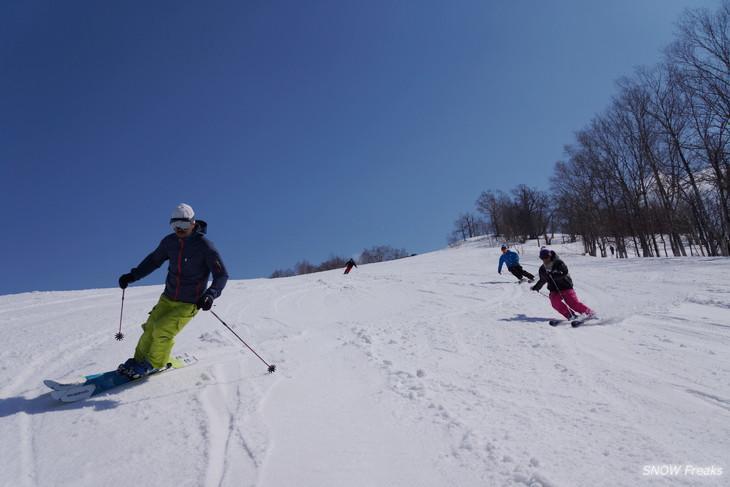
<point>297,129</point>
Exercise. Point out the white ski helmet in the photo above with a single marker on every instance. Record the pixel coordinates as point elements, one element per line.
<point>182,216</point>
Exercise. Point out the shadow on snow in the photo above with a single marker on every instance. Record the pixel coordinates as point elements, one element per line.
<point>523,318</point>
<point>44,403</point>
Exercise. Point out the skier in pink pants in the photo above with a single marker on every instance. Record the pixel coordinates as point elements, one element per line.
<point>554,273</point>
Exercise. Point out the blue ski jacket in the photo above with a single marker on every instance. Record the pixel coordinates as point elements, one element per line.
<point>192,260</point>
<point>511,258</point>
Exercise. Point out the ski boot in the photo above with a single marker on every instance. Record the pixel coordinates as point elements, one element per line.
<point>126,366</point>
<point>135,370</point>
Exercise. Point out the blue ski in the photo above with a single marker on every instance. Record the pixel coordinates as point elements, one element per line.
<point>97,383</point>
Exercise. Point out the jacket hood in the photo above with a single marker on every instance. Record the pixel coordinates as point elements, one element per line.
<point>201,227</point>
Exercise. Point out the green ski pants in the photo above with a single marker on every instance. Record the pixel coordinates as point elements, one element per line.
<point>166,320</point>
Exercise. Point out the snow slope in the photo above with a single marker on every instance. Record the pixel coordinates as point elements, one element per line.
<point>428,371</point>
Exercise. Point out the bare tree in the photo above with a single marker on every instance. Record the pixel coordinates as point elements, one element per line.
<point>304,267</point>
<point>381,253</point>
<point>467,226</point>
<point>282,273</point>
<point>524,214</point>
<point>701,55</point>
<point>655,163</point>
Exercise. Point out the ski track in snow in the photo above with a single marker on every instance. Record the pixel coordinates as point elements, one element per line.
<point>236,443</point>
<point>428,371</point>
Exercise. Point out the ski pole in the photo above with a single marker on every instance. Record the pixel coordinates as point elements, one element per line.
<point>505,277</point>
<point>272,368</point>
<point>543,295</point>
<point>120,336</point>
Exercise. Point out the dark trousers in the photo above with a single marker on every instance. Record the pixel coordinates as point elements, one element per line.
<point>519,272</point>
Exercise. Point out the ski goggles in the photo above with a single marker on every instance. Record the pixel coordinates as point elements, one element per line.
<point>180,224</point>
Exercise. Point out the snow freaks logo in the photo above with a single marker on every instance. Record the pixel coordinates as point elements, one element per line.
<point>681,471</point>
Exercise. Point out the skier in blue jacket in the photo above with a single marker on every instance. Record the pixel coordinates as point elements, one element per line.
<point>512,260</point>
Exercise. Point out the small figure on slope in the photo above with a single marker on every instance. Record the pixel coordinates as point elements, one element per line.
<point>192,259</point>
<point>554,273</point>
<point>349,265</point>
<point>512,260</point>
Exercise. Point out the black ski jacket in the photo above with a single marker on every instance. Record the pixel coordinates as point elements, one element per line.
<point>191,261</point>
<point>557,279</point>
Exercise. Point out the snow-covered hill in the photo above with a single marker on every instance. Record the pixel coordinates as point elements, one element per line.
<point>428,371</point>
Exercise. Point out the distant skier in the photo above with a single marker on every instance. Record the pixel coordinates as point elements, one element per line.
<point>554,273</point>
<point>192,259</point>
<point>349,265</point>
<point>512,260</point>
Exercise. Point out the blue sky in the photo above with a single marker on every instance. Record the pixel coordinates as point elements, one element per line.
<point>296,129</point>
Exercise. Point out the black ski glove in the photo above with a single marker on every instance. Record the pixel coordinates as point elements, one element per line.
<point>125,280</point>
<point>205,302</point>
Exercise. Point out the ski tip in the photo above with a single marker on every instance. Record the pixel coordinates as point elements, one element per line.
<point>182,360</point>
<point>53,385</point>
<point>74,394</point>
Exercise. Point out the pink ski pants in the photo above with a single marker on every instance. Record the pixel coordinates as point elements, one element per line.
<point>569,296</point>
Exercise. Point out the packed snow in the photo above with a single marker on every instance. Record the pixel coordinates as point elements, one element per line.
<point>427,371</point>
